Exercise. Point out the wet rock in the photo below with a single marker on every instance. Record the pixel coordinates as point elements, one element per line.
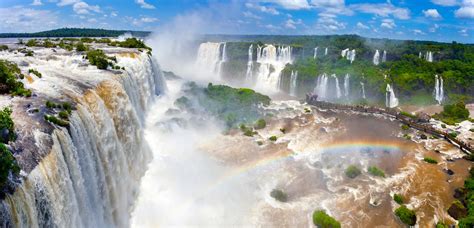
<point>457,210</point>
<point>423,136</point>
<point>449,172</point>
<point>423,117</point>
<point>323,130</point>
<point>4,134</point>
<point>459,193</point>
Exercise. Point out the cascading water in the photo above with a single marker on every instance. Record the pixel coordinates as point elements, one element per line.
<point>351,55</point>
<point>338,88</point>
<point>391,100</point>
<point>420,55</point>
<point>91,175</point>
<point>344,52</point>
<point>429,56</point>
<point>222,60</point>
<point>376,59</point>
<point>384,56</point>
<point>249,73</point>
<point>272,61</point>
<point>439,90</point>
<point>362,88</point>
<point>293,83</point>
<point>321,87</point>
<point>315,53</point>
<point>346,85</point>
<point>210,58</point>
<point>326,51</point>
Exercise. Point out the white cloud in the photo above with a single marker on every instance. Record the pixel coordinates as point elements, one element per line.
<point>290,4</point>
<point>434,28</point>
<point>362,26</point>
<point>248,14</point>
<point>466,10</point>
<point>272,27</point>
<point>329,23</point>
<point>92,20</point>
<point>84,8</point>
<point>264,9</point>
<point>148,19</point>
<point>383,10</point>
<point>418,32</point>
<point>36,3</point>
<point>20,19</point>
<point>291,24</point>
<point>144,5</point>
<point>432,13</point>
<point>388,23</point>
<point>113,14</point>
<point>445,2</point>
<point>140,21</point>
<point>67,2</point>
<point>463,32</point>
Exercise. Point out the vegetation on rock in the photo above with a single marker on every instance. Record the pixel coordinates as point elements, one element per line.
<point>260,124</point>
<point>35,72</point>
<point>406,215</point>
<point>273,138</point>
<point>430,160</point>
<point>398,198</point>
<point>453,113</point>
<point>374,171</point>
<point>352,171</point>
<point>323,220</point>
<point>8,165</point>
<point>279,195</point>
<point>9,75</point>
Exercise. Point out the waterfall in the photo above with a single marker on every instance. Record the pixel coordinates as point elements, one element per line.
<point>321,87</point>
<point>351,55</point>
<point>391,101</point>
<point>420,55</point>
<point>272,61</point>
<point>429,56</point>
<point>338,88</point>
<point>326,51</point>
<point>90,177</point>
<point>210,58</point>
<point>249,73</point>
<point>315,53</point>
<point>346,85</point>
<point>439,90</point>
<point>376,59</point>
<point>293,83</point>
<point>384,56</point>
<point>362,87</point>
<point>344,52</point>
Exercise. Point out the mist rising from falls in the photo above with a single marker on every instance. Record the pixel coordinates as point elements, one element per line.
<point>249,73</point>
<point>294,83</point>
<point>210,58</point>
<point>391,100</point>
<point>376,59</point>
<point>439,90</point>
<point>90,177</point>
<point>346,85</point>
<point>272,61</point>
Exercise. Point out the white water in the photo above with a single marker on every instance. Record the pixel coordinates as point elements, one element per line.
<point>429,56</point>
<point>346,85</point>
<point>315,53</point>
<point>249,73</point>
<point>376,59</point>
<point>210,58</point>
<point>321,87</point>
<point>294,83</point>
<point>362,87</point>
<point>222,60</point>
<point>439,90</point>
<point>344,52</point>
<point>351,55</point>
<point>391,100</point>
<point>272,61</point>
<point>326,51</point>
<point>338,88</point>
<point>91,175</point>
<point>384,56</point>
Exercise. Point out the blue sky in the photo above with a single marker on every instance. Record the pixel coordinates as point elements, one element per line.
<point>441,20</point>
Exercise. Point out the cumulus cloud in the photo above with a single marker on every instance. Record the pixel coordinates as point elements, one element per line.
<point>290,4</point>
<point>84,8</point>
<point>445,2</point>
<point>141,20</point>
<point>466,10</point>
<point>272,27</point>
<point>264,9</point>
<point>329,23</point>
<point>36,3</point>
<point>249,14</point>
<point>434,28</point>
<point>362,26</point>
<point>21,19</point>
<point>291,24</point>
<point>388,23</point>
<point>383,10</point>
<point>67,2</point>
<point>463,32</point>
<point>432,13</point>
<point>144,5</point>
<point>418,32</point>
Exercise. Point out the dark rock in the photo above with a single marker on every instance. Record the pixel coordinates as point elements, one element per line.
<point>423,136</point>
<point>459,193</point>
<point>457,210</point>
<point>423,117</point>
<point>449,172</point>
<point>5,135</point>
<point>323,130</point>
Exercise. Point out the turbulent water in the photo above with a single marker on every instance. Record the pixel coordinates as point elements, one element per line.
<point>347,85</point>
<point>91,175</point>
<point>391,100</point>
<point>210,58</point>
<point>272,60</point>
<point>294,83</point>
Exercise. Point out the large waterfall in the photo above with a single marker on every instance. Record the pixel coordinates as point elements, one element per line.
<point>293,83</point>
<point>429,56</point>
<point>326,51</point>
<point>210,58</point>
<point>439,90</point>
<point>346,85</point>
<point>90,176</point>
<point>272,60</point>
<point>348,54</point>
<point>321,87</point>
<point>249,73</point>
<point>315,53</point>
<point>338,88</point>
<point>391,100</point>
<point>376,59</point>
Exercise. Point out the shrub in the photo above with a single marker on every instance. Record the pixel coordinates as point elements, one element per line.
<point>443,125</point>
<point>376,171</point>
<point>259,143</point>
<point>279,195</point>
<point>133,43</point>
<point>398,198</point>
<point>6,124</point>
<point>352,171</point>
<point>307,110</point>
<point>441,225</point>
<point>55,120</point>
<point>29,53</point>
<point>453,113</point>
<point>260,124</point>
<point>323,220</point>
<point>406,215</point>
<point>9,74</point>
<point>81,47</point>
<point>430,160</point>
<point>250,133</point>
<point>64,115</point>
<point>98,58</point>
<point>48,44</point>
<point>453,134</point>
<point>3,47</point>
<point>35,72</point>
<point>7,165</point>
<point>405,127</point>
<point>67,106</point>
<point>273,138</point>
<point>50,104</point>
<point>31,43</point>
<point>407,114</point>
<point>283,130</point>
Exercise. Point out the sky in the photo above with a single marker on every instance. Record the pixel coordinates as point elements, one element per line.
<point>439,20</point>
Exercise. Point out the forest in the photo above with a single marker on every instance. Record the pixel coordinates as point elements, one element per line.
<point>76,32</point>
